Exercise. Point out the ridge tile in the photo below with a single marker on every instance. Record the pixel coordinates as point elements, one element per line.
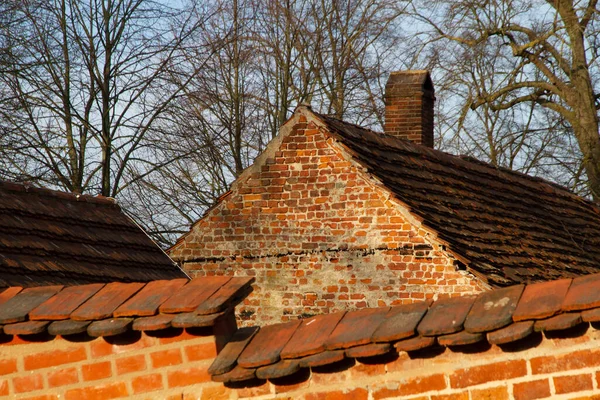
<point>265,347</point>
<point>103,303</point>
<point>446,316</point>
<point>145,303</point>
<point>493,310</point>
<point>311,335</point>
<point>356,328</point>
<point>541,300</point>
<point>583,294</point>
<point>400,322</point>
<point>64,302</point>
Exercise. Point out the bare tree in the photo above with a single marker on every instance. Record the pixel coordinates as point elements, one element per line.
<point>549,53</point>
<point>87,81</point>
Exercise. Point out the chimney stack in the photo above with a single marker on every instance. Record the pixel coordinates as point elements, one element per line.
<point>409,98</point>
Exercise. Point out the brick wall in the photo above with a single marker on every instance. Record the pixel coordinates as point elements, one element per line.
<point>319,235</point>
<point>559,368</point>
<point>138,366</point>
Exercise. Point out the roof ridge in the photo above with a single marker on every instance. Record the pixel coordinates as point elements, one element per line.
<point>499,317</point>
<point>424,149</point>
<point>70,196</point>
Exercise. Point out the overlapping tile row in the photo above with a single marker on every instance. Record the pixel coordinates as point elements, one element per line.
<point>512,228</point>
<point>50,237</point>
<point>114,308</point>
<point>498,317</point>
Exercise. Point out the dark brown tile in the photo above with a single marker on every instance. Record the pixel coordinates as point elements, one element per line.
<point>558,322</point>
<point>416,343</point>
<point>154,323</point>
<point>67,327</point>
<point>265,348</point>
<point>320,359</point>
<point>460,338</point>
<point>223,297</point>
<point>541,300</point>
<point>493,310</point>
<point>16,308</point>
<point>237,374</point>
<point>400,322</point>
<point>445,316</point>
<point>311,335</point>
<point>189,297</point>
<point>9,293</point>
<point>65,302</point>
<point>146,302</point>
<point>227,358</point>
<point>278,370</point>
<point>368,350</point>
<point>106,301</point>
<point>356,328</point>
<point>191,320</point>
<point>109,327</point>
<point>583,294</point>
<point>592,315</point>
<point>511,333</point>
<point>26,328</point>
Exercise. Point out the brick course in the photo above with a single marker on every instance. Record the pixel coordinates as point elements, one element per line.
<point>319,235</point>
<point>447,374</point>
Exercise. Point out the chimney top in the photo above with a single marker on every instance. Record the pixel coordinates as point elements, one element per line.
<point>409,100</point>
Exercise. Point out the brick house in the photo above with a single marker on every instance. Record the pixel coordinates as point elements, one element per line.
<point>333,216</point>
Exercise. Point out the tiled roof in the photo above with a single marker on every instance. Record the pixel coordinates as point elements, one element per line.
<point>499,317</point>
<point>508,227</point>
<point>110,309</point>
<point>49,237</point>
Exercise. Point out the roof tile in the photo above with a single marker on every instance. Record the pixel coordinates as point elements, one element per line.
<point>225,295</point>
<point>511,333</point>
<point>156,322</point>
<point>416,343</point>
<point>188,298</point>
<point>400,322</point>
<point>266,346</point>
<point>227,358</point>
<point>356,328</point>
<point>558,322</point>
<point>146,301</point>
<point>584,293</point>
<point>368,350</point>
<point>542,300</point>
<point>237,374</point>
<point>278,370</point>
<point>17,307</point>
<point>446,316</point>
<point>311,335</point>
<point>109,327</point>
<point>65,302</point>
<point>460,338</point>
<point>26,328</point>
<point>106,301</point>
<point>191,320</point>
<point>493,310</point>
<point>67,327</point>
<point>320,359</point>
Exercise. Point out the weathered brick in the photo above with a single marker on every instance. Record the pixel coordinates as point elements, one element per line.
<point>201,351</point>
<point>106,391</point>
<point>8,366</point>
<point>95,371</point>
<point>411,386</point>
<point>570,361</point>
<point>28,383</point>
<point>53,358</point>
<point>187,376</point>
<point>572,383</point>
<point>531,390</point>
<point>495,393</point>
<point>62,377</point>
<point>488,373</point>
<point>165,358</point>
<point>130,364</point>
<point>146,383</point>
<point>350,394</point>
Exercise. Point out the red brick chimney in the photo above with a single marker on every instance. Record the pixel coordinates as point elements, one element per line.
<point>409,98</point>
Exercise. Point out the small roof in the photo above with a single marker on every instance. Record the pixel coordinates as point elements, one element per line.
<point>500,317</point>
<point>114,308</point>
<point>50,237</point>
<point>506,226</point>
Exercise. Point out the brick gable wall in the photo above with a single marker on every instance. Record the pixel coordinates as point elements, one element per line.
<point>318,234</point>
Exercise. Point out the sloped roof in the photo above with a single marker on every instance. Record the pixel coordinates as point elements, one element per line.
<point>50,237</point>
<point>501,317</point>
<point>114,308</point>
<point>510,227</point>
